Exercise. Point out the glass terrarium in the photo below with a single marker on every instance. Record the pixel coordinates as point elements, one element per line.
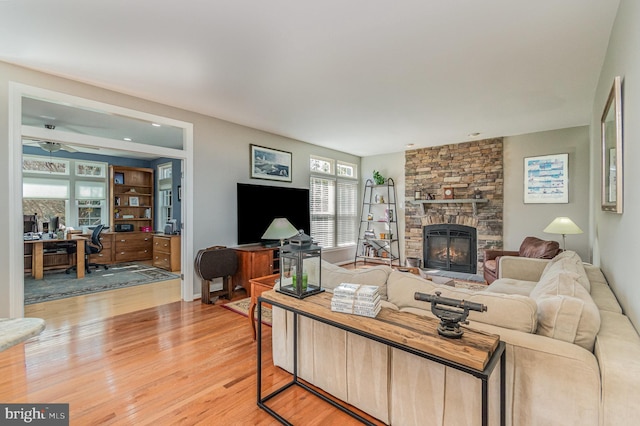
<point>300,267</point>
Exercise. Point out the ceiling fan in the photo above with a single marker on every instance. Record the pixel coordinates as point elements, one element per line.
<point>53,146</point>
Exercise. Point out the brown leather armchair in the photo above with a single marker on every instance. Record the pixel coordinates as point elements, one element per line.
<point>531,247</point>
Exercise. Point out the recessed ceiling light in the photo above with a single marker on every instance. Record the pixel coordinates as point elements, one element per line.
<point>155,124</point>
<point>127,139</point>
<point>474,134</point>
<point>410,145</point>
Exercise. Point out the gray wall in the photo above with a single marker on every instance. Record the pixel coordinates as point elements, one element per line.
<point>616,238</point>
<point>221,159</point>
<point>522,220</point>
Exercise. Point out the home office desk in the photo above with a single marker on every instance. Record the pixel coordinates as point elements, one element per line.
<point>37,255</point>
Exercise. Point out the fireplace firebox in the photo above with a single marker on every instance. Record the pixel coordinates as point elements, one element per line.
<point>450,247</point>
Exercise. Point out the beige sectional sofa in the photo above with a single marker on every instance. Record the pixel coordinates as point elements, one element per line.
<point>573,358</point>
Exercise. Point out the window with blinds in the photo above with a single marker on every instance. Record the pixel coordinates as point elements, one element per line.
<point>333,204</point>
<point>74,191</point>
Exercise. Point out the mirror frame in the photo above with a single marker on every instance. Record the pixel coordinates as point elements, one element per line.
<point>611,133</point>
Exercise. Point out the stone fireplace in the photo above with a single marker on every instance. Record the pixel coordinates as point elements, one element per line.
<point>468,168</point>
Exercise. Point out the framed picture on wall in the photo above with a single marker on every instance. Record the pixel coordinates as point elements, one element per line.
<point>546,179</point>
<point>271,164</point>
<point>118,178</point>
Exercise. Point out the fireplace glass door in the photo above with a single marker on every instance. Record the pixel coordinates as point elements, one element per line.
<point>450,248</point>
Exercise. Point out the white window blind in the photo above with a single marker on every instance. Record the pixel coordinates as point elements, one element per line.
<point>347,202</point>
<point>36,188</point>
<point>323,210</point>
<point>334,211</point>
<point>86,190</point>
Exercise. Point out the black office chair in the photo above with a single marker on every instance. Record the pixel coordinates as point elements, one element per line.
<point>90,247</point>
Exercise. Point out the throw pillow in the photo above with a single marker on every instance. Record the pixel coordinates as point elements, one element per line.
<point>566,311</point>
<point>515,312</point>
<point>567,261</point>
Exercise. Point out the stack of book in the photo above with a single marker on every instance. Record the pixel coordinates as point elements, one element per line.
<point>356,299</point>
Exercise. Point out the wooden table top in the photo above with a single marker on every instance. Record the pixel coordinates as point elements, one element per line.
<point>474,349</point>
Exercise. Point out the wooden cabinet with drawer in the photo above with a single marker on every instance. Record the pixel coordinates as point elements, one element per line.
<point>106,255</point>
<point>130,246</point>
<point>166,252</point>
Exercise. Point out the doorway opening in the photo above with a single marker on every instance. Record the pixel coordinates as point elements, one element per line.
<point>22,127</point>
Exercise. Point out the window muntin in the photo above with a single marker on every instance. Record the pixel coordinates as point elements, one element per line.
<point>321,165</point>
<point>347,170</point>
<point>91,169</point>
<point>45,165</point>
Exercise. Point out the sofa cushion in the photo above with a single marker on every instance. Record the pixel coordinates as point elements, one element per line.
<point>511,311</point>
<point>511,286</point>
<point>567,261</point>
<point>537,248</point>
<point>333,276</point>
<point>565,310</point>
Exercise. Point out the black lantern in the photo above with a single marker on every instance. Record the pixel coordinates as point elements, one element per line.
<point>300,267</point>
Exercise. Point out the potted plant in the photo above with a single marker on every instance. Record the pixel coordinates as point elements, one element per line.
<point>378,178</point>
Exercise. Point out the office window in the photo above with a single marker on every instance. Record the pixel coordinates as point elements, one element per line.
<point>45,197</point>
<point>90,212</point>
<point>334,204</point>
<point>73,190</point>
<point>91,169</point>
<point>91,198</point>
<point>45,165</point>
<point>165,194</point>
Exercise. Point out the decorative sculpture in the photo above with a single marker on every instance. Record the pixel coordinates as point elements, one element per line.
<point>452,312</point>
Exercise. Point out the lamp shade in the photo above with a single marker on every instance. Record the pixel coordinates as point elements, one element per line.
<point>562,225</point>
<point>279,229</point>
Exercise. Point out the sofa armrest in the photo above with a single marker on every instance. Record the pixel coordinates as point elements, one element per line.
<point>492,254</point>
<point>521,268</point>
<point>618,351</point>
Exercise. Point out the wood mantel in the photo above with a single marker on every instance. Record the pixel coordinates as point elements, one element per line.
<point>473,201</point>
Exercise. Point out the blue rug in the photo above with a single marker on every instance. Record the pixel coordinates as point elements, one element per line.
<point>58,285</point>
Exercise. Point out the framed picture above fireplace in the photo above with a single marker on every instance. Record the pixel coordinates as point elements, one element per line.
<point>546,179</point>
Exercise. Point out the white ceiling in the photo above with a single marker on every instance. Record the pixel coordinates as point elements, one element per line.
<point>362,76</point>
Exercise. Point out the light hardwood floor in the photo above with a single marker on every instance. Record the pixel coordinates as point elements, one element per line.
<point>117,361</point>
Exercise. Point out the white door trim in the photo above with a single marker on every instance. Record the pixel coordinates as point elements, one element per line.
<point>16,258</point>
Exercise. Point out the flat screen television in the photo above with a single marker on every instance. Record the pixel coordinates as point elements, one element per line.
<point>258,205</point>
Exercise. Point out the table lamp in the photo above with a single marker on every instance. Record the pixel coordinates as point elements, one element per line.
<point>564,226</point>
<point>280,229</point>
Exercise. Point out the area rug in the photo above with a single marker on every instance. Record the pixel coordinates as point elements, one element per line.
<point>59,285</point>
<point>469,285</point>
<point>242,307</point>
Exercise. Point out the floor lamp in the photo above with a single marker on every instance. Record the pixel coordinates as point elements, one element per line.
<point>564,226</point>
